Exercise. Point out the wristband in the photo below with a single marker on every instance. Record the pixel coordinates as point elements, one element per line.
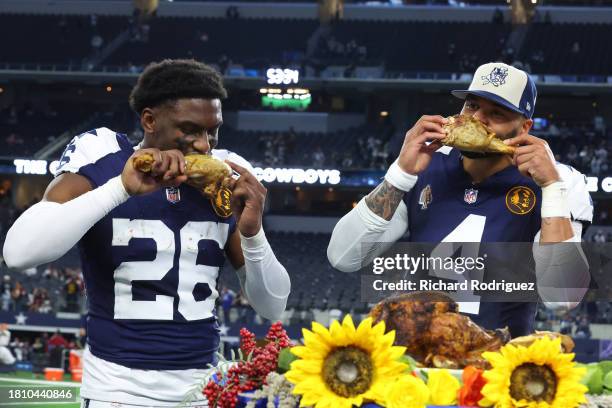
<point>399,179</point>
<point>554,201</point>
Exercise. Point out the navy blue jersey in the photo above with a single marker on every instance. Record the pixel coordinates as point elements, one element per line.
<point>150,266</point>
<point>446,206</point>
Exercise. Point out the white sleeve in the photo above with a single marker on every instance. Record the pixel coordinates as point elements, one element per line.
<point>361,235</point>
<point>579,198</point>
<point>562,271</point>
<point>5,338</point>
<point>48,230</point>
<point>264,280</point>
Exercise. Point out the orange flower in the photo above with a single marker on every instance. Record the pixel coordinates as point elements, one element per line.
<point>473,381</point>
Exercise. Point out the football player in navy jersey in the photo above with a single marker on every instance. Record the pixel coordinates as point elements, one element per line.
<point>439,194</point>
<point>151,246</point>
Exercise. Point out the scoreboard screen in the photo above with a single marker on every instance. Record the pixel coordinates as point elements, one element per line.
<point>285,94</point>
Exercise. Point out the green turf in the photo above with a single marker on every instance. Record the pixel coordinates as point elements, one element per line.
<point>30,376</point>
<point>27,380</point>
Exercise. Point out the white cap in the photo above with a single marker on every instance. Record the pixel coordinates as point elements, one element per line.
<point>505,85</point>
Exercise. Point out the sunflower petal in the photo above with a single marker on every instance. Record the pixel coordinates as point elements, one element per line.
<point>301,351</point>
<point>315,342</point>
<point>349,328</point>
<point>322,332</point>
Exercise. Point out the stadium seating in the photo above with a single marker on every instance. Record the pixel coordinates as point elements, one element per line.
<point>34,127</point>
<point>267,43</point>
<point>51,41</point>
<point>280,149</point>
<point>422,46</point>
<point>402,48</point>
<point>556,44</point>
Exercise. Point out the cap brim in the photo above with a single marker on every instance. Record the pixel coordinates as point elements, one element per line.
<point>489,96</point>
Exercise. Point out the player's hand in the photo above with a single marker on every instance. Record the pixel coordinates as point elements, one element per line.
<point>534,159</point>
<point>415,155</point>
<point>248,198</point>
<point>168,170</point>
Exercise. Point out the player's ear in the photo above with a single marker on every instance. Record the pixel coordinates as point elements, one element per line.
<point>527,124</point>
<point>147,120</point>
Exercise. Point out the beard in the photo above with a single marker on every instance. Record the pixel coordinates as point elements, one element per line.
<point>487,155</point>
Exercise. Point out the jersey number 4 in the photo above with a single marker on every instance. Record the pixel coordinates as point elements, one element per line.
<point>190,273</point>
<point>468,234</point>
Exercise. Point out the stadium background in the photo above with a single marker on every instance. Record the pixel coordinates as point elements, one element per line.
<point>327,88</point>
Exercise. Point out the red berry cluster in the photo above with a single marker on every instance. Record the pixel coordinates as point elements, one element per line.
<point>251,374</point>
<point>277,334</point>
<point>247,341</point>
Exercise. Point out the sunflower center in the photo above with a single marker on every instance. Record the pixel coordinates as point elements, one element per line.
<point>348,371</point>
<point>533,382</point>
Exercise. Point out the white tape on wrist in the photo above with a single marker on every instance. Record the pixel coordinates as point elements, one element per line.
<point>554,201</point>
<point>398,178</point>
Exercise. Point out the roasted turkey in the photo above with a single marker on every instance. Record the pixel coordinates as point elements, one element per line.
<point>469,134</point>
<point>204,172</point>
<point>429,325</point>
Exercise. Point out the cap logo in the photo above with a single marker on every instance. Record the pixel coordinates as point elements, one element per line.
<point>497,77</point>
<point>528,107</point>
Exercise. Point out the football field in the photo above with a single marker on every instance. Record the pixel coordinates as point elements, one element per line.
<point>24,390</point>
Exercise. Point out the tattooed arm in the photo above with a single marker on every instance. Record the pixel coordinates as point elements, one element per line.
<point>381,218</point>
<point>384,199</point>
<point>361,235</point>
<point>373,225</point>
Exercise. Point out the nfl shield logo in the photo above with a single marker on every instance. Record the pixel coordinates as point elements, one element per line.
<point>173,195</point>
<point>470,196</point>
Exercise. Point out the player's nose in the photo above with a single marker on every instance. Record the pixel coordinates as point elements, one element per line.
<point>480,115</point>
<point>201,144</point>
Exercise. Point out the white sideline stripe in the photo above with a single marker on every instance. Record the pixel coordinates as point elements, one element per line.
<point>41,382</point>
<point>52,329</point>
<point>2,404</point>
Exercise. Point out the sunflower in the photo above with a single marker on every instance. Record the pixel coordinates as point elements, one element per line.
<point>538,376</point>
<point>345,366</point>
